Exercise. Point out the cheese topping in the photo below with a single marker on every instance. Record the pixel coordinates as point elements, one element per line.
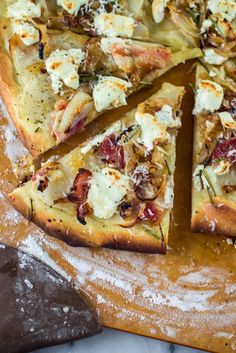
<point>72,6</point>
<point>151,130</point>
<point>165,116</point>
<point>227,120</point>
<point>111,25</point>
<point>209,97</point>
<point>212,58</point>
<point>206,24</point>
<point>222,167</point>
<point>225,8</point>
<point>109,93</point>
<point>108,43</point>
<point>24,8</point>
<point>107,189</point>
<point>28,34</point>
<point>97,140</point>
<point>63,65</point>
<point>158,10</point>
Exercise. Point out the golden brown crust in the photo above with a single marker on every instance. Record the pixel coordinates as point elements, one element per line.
<point>218,217</point>
<point>73,233</point>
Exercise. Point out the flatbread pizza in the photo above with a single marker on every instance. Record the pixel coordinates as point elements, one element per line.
<point>116,190</point>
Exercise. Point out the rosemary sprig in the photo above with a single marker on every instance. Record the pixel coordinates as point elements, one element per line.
<point>193,88</point>
<point>209,181</point>
<point>194,14</point>
<point>168,168</point>
<point>31,210</point>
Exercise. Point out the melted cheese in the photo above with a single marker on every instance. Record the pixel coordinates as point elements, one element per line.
<point>222,167</point>
<point>165,116</point>
<point>24,8</point>
<point>72,6</point>
<point>227,120</point>
<point>212,58</point>
<point>111,25</point>
<point>63,65</point>
<point>151,130</point>
<point>209,97</point>
<point>97,140</point>
<point>206,24</point>
<point>110,92</point>
<point>158,10</point>
<point>224,8</point>
<point>107,189</point>
<point>28,34</point>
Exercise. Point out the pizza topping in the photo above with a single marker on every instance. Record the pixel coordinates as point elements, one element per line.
<point>150,213</point>
<point>222,167</point>
<point>158,10</point>
<point>72,6</point>
<point>110,92</point>
<point>146,181</point>
<point>227,120</point>
<point>113,152</point>
<point>24,8</point>
<point>224,8</point>
<point>209,97</point>
<point>80,187</point>
<point>134,212</point>
<point>212,58</point>
<point>225,149</point>
<point>108,187</point>
<point>112,25</point>
<point>166,117</point>
<point>152,131</point>
<point>97,140</point>
<point>63,65</point>
<point>27,32</point>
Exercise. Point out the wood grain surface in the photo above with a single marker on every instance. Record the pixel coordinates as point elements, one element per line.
<point>187,296</point>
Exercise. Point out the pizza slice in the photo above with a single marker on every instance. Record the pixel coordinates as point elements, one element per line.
<point>166,22</point>
<point>55,87</point>
<point>115,190</point>
<point>214,168</point>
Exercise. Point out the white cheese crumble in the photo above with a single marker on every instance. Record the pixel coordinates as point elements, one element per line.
<point>63,65</point>
<point>158,10</point>
<point>209,97</point>
<point>110,92</point>
<point>165,116</point>
<point>227,120</point>
<point>206,24</point>
<point>24,8</point>
<point>108,43</point>
<point>212,58</point>
<point>151,130</point>
<point>27,32</point>
<point>98,139</point>
<point>72,6</point>
<point>111,25</point>
<point>224,8</point>
<point>107,189</point>
<point>222,167</point>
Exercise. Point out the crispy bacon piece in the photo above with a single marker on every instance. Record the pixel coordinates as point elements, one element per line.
<point>225,149</point>
<point>112,152</point>
<point>79,193</point>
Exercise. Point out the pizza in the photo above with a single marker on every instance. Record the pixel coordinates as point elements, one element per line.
<point>162,21</point>
<point>116,189</point>
<point>213,194</point>
<point>55,82</point>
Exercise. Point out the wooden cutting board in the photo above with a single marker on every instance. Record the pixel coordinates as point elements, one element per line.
<point>186,297</point>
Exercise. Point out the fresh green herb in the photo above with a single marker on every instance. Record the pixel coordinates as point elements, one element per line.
<point>217,27</point>
<point>132,133</point>
<point>37,129</point>
<point>193,88</point>
<point>209,181</point>
<point>146,83</point>
<point>31,210</point>
<point>194,14</point>
<point>168,168</point>
<point>162,235</point>
<point>151,231</point>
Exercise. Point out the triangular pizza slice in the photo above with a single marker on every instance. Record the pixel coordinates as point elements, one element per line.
<point>116,189</point>
<point>214,167</point>
<point>53,88</point>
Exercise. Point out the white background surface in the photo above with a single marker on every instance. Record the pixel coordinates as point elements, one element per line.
<point>112,341</point>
